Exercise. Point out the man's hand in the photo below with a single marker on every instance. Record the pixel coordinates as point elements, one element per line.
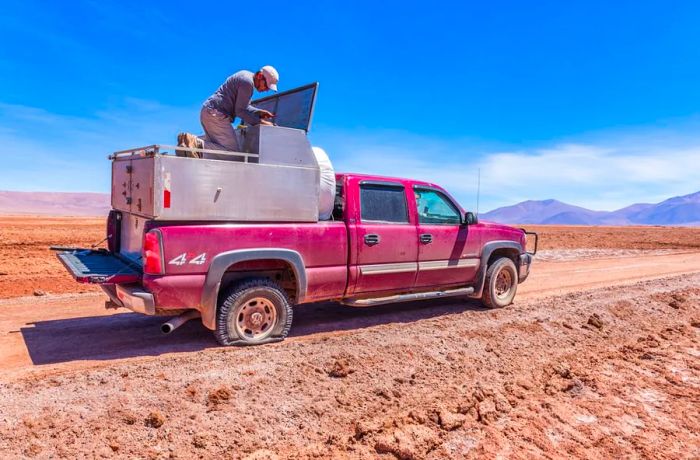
<point>264,114</point>
<point>265,122</point>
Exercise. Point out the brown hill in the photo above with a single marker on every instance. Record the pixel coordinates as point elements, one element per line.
<point>54,203</point>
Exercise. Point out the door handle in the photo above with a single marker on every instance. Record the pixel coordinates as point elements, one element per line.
<point>372,239</point>
<point>426,238</point>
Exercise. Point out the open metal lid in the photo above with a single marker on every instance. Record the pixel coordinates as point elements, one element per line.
<point>293,108</point>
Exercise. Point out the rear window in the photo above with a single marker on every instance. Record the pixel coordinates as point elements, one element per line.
<point>383,203</point>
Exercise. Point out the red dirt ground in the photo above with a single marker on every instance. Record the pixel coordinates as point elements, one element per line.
<point>589,362</point>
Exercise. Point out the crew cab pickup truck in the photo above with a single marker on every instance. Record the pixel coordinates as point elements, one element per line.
<point>390,240</point>
<point>239,238</point>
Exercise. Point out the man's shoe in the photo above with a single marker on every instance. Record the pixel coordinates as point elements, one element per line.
<point>190,141</point>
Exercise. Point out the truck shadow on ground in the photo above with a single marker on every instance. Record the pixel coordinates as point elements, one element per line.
<point>128,335</point>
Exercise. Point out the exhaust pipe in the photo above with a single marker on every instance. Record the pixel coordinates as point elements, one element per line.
<point>178,321</point>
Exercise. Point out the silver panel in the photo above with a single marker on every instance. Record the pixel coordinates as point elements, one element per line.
<point>234,191</point>
<point>132,236</point>
<point>142,186</point>
<point>121,185</point>
<point>277,145</point>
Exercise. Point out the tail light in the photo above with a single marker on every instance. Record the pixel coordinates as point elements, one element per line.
<point>153,253</point>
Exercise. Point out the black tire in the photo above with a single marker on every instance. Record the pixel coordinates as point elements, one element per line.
<point>253,312</point>
<point>499,292</point>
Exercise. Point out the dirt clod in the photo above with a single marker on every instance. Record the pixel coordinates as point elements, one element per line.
<point>219,396</point>
<point>340,368</point>
<point>39,292</point>
<point>154,420</point>
<point>199,440</point>
<point>563,370</point>
<point>450,421</point>
<point>364,427</point>
<point>595,321</point>
<point>486,412</point>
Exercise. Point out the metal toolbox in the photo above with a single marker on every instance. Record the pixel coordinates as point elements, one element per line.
<point>148,183</point>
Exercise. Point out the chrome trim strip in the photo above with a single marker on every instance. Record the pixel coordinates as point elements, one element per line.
<point>443,264</point>
<point>383,269</point>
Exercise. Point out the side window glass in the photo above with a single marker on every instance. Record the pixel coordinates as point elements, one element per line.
<point>338,203</point>
<point>383,203</point>
<point>435,208</point>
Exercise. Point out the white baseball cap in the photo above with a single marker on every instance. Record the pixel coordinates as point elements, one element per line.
<point>271,76</point>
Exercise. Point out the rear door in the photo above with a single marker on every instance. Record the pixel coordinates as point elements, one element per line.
<point>448,252</point>
<point>385,239</point>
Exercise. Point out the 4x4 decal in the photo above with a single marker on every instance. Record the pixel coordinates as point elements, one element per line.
<point>182,259</point>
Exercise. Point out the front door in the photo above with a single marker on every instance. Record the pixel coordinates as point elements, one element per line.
<point>448,252</point>
<point>385,239</point>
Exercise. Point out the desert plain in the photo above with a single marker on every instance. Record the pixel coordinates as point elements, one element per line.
<point>599,357</point>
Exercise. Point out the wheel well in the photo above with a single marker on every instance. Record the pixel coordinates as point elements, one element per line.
<point>279,271</point>
<point>510,253</point>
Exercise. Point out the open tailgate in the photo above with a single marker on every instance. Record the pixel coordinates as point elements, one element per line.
<point>98,266</point>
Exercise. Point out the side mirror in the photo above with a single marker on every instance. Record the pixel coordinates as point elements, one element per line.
<point>470,218</point>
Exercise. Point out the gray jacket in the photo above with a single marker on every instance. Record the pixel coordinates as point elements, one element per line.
<point>233,98</point>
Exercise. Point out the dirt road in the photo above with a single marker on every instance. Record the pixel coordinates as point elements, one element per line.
<point>40,331</point>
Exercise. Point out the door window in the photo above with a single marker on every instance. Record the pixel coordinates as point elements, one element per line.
<point>383,203</point>
<point>436,208</point>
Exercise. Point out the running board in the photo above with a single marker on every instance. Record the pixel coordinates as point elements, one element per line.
<point>407,297</point>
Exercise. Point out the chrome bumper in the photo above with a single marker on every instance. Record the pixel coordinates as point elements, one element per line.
<point>524,267</point>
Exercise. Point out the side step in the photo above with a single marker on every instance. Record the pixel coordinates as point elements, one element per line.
<point>407,297</point>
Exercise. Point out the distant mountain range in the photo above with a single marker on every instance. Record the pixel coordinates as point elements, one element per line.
<point>680,210</point>
<point>54,203</point>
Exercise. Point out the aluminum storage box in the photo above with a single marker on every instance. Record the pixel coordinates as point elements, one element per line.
<point>166,187</point>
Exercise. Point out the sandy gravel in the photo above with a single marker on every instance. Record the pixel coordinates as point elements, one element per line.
<point>599,374</point>
<point>598,358</point>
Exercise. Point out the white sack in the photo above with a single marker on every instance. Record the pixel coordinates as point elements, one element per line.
<point>326,199</point>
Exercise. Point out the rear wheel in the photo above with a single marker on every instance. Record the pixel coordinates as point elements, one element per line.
<point>501,283</point>
<point>253,312</point>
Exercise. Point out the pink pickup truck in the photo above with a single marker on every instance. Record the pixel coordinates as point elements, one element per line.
<point>389,240</point>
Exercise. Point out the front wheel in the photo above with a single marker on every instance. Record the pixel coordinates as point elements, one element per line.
<point>501,283</point>
<point>253,312</point>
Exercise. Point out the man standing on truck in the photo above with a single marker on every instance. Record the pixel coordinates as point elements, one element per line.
<point>231,100</point>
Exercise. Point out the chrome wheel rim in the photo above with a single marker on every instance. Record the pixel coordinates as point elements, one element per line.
<point>255,319</point>
<point>504,283</point>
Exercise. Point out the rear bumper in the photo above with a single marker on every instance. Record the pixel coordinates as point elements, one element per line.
<point>132,297</point>
<point>524,267</point>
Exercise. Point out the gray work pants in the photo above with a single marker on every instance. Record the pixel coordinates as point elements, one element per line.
<point>218,134</point>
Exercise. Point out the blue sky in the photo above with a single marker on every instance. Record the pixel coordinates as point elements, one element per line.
<point>593,103</point>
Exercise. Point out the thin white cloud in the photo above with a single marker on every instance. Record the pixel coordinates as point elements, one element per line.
<point>606,175</point>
